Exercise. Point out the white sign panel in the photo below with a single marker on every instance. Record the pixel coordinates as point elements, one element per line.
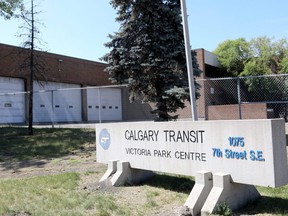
<point>251,151</point>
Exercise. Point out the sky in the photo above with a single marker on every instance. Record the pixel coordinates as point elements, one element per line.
<point>81,28</point>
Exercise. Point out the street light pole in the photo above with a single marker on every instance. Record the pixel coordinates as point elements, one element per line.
<point>189,61</point>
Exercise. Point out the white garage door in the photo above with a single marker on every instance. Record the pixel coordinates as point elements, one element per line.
<point>12,106</point>
<point>104,104</point>
<point>57,102</point>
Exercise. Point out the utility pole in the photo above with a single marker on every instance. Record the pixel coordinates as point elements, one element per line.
<point>189,61</point>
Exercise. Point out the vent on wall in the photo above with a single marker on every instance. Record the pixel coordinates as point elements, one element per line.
<point>7,105</point>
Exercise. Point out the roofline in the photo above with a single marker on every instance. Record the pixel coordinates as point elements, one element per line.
<point>54,54</point>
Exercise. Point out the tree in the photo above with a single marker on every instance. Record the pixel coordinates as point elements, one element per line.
<point>258,56</point>
<point>32,60</point>
<point>148,54</point>
<point>232,55</point>
<point>266,57</point>
<point>8,7</point>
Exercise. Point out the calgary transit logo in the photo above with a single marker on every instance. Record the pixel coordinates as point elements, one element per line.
<point>104,139</point>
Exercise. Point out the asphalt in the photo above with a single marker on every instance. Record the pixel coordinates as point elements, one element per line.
<point>88,125</point>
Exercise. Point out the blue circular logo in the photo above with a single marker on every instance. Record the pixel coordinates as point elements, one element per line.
<point>104,139</point>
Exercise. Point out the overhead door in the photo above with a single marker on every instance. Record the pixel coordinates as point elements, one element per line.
<point>12,101</point>
<point>57,102</point>
<point>104,104</point>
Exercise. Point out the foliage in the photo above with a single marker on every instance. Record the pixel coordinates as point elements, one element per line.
<point>259,56</point>
<point>223,209</point>
<point>148,54</point>
<point>266,57</point>
<point>232,55</point>
<point>8,8</point>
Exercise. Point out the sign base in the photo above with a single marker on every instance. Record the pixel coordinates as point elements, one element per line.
<point>121,173</point>
<point>204,198</point>
<point>199,192</point>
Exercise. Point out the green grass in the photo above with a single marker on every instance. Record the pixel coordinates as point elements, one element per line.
<point>54,195</point>
<point>60,195</point>
<point>273,201</point>
<point>16,144</point>
<point>41,195</point>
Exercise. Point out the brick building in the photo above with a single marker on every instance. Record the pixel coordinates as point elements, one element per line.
<point>82,104</point>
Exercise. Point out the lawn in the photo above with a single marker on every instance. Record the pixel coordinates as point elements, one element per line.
<point>16,144</point>
<point>78,193</point>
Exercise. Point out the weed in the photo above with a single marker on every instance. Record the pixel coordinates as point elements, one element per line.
<point>73,161</point>
<point>56,161</point>
<point>151,198</point>
<point>223,209</point>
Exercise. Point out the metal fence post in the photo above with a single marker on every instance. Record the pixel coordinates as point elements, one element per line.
<point>52,103</point>
<point>239,97</point>
<point>99,101</point>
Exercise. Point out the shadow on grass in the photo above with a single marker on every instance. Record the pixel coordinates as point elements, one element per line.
<point>17,147</point>
<point>174,183</point>
<point>266,205</point>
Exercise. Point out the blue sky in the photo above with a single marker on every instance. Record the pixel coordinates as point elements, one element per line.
<point>80,28</point>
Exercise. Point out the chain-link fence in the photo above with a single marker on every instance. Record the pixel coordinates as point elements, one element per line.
<point>246,97</point>
<point>72,105</point>
<point>256,97</point>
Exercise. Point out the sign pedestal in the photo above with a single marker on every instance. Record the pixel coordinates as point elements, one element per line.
<point>112,168</point>
<point>199,192</point>
<point>224,191</point>
<point>123,173</point>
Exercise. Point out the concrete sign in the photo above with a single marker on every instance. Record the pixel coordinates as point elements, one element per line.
<point>251,151</point>
<point>232,155</point>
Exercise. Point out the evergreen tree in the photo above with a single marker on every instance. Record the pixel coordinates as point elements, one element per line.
<point>8,7</point>
<point>148,54</point>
